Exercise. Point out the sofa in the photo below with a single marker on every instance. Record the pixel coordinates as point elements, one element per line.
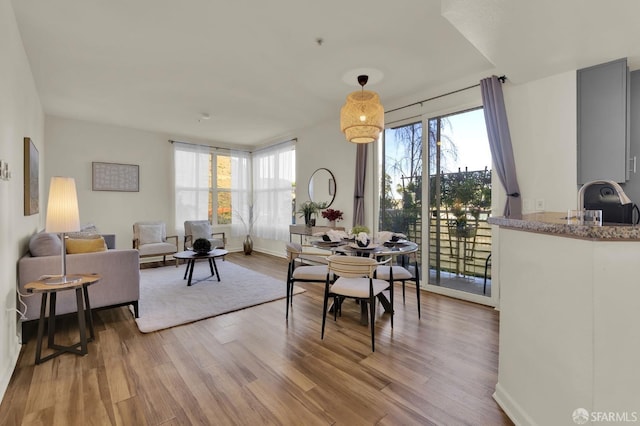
<point>120,271</point>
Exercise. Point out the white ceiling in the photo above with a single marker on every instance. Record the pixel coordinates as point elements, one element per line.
<point>255,66</point>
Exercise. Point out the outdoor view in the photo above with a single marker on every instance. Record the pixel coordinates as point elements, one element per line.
<point>459,170</point>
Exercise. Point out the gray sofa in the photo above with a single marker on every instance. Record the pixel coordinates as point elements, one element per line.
<point>119,286</point>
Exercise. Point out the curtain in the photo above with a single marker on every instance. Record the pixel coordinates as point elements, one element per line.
<point>192,165</point>
<point>358,193</point>
<point>241,194</point>
<point>495,116</point>
<point>273,176</point>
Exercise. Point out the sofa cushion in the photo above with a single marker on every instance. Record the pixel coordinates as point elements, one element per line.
<point>45,244</point>
<point>150,234</point>
<point>85,245</point>
<point>200,230</point>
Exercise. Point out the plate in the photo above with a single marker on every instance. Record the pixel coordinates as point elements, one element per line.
<point>328,243</point>
<point>396,243</point>
<point>371,246</point>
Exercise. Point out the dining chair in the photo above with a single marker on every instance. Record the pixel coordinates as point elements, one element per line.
<point>402,272</point>
<point>354,279</point>
<point>300,272</point>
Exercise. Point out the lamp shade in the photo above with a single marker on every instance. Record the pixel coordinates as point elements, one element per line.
<point>362,117</point>
<point>62,208</point>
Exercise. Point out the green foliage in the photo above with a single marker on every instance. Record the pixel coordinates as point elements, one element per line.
<point>307,209</point>
<point>358,229</point>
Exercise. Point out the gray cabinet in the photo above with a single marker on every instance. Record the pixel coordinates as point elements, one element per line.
<point>603,124</point>
<point>632,187</point>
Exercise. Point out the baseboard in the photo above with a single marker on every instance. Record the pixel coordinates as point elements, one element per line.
<point>11,366</point>
<point>511,407</point>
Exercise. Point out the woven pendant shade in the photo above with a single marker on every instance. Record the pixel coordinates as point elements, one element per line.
<point>362,117</point>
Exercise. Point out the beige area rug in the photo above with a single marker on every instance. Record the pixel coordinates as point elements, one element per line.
<point>166,301</point>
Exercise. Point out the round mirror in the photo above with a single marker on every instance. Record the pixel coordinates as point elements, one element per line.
<point>322,187</point>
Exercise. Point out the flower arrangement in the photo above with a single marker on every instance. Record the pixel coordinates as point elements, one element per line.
<point>332,215</point>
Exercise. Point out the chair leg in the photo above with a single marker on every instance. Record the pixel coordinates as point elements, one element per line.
<point>324,309</point>
<point>486,268</point>
<point>372,310</point>
<point>418,289</point>
<point>288,291</point>
<point>393,310</point>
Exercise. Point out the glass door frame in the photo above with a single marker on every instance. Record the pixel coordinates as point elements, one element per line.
<point>491,300</point>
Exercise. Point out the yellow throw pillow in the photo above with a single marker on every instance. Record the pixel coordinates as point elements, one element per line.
<point>84,245</point>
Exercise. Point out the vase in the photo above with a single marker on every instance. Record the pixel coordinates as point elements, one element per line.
<point>332,223</point>
<point>247,245</point>
<point>307,219</point>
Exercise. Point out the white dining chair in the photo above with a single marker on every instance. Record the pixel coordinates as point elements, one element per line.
<point>300,272</point>
<point>354,279</point>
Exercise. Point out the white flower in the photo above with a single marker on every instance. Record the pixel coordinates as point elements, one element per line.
<point>363,238</point>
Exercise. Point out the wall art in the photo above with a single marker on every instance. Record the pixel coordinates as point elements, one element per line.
<point>116,177</point>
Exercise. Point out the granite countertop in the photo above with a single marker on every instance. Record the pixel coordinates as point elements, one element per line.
<point>556,223</point>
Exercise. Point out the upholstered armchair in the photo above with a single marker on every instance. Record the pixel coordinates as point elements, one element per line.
<point>194,229</point>
<point>151,240</point>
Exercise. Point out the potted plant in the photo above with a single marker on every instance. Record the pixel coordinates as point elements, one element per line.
<point>357,230</point>
<point>307,209</point>
<point>332,216</point>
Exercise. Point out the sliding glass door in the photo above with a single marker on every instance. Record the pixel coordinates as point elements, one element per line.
<point>460,203</point>
<point>451,225</point>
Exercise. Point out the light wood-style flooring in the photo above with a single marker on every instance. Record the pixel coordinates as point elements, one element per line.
<point>251,367</point>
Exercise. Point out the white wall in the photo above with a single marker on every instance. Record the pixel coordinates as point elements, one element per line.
<point>72,146</point>
<point>542,121</point>
<point>20,116</point>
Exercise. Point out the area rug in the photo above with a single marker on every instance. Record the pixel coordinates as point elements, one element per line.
<point>166,300</point>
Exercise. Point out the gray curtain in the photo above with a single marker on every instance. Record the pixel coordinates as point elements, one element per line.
<point>495,116</point>
<point>358,194</point>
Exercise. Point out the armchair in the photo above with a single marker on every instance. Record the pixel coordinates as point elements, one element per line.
<point>151,240</point>
<point>194,229</point>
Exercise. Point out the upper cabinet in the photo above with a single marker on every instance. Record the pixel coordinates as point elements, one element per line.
<point>603,122</point>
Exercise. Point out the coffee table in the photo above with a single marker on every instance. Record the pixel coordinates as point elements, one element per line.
<point>191,257</point>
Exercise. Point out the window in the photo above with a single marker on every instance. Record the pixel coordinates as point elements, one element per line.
<point>224,186</point>
<point>273,180</point>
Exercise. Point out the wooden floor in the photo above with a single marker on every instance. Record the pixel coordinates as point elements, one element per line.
<point>252,368</point>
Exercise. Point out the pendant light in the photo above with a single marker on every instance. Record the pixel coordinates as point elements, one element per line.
<point>362,116</point>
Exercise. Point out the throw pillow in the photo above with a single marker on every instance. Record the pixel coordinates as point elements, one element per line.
<point>150,234</point>
<point>85,245</point>
<point>45,244</point>
<point>201,230</point>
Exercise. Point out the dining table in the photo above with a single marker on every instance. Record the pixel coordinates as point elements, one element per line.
<point>385,249</point>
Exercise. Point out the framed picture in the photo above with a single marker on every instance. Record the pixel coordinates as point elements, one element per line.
<point>31,178</point>
<point>115,177</point>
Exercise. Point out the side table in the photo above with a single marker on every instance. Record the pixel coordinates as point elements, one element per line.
<point>84,314</point>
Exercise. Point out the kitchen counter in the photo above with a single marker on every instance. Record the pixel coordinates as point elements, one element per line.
<point>556,223</point>
<point>569,318</point>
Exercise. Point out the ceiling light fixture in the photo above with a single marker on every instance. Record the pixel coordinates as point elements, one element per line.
<point>362,116</point>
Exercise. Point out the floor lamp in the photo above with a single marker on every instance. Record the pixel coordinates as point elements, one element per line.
<point>62,217</point>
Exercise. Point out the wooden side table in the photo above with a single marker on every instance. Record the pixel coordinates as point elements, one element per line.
<point>84,314</point>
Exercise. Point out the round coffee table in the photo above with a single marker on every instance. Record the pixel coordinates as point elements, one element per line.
<point>192,256</point>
